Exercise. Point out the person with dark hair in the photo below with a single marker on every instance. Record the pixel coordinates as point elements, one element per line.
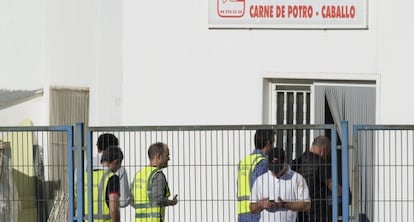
<point>104,141</point>
<point>315,166</point>
<point>106,187</point>
<point>150,189</point>
<point>251,167</point>
<point>281,192</point>
<point>112,158</point>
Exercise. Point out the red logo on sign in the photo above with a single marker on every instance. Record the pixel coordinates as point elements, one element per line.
<point>230,8</point>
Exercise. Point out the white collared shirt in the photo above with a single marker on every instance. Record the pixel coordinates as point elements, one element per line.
<point>290,187</point>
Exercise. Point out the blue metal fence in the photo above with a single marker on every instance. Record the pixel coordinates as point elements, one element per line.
<point>383,173</point>
<point>380,162</point>
<point>203,169</point>
<point>33,179</point>
<point>203,166</point>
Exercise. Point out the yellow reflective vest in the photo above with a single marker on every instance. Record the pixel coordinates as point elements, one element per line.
<point>246,167</point>
<point>145,208</point>
<point>100,180</point>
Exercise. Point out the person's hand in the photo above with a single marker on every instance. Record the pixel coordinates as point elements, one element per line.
<point>265,203</point>
<point>280,203</point>
<point>174,201</point>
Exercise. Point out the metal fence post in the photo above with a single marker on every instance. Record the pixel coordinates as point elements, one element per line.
<point>89,162</point>
<point>345,185</point>
<point>79,170</point>
<point>334,177</point>
<point>70,173</point>
<point>355,173</point>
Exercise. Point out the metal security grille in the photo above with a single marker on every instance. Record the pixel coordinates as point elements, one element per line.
<point>383,173</point>
<point>291,105</point>
<point>29,186</point>
<point>203,166</point>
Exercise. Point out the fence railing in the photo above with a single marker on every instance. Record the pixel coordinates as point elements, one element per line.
<point>50,163</point>
<point>33,172</point>
<point>203,165</point>
<point>383,173</point>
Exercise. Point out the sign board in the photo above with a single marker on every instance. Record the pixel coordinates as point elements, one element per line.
<point>302,14</point>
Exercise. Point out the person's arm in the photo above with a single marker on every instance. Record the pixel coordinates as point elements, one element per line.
<point>257,207</point>
<point>260,169</point>
<point>257,201</point>
<point>302,202</point>
<point>159,185</point>
<point>114,207</point>
<point>125,193</point>
<point>112,198</point>
<point>329,184</point>
<point>326,176</point>
<point>298,206</point>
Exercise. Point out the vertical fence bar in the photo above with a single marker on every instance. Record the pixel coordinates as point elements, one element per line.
<point>70,173</point>
<point>345,186</point>
<point>355,174</point>
<point>79,170</point>
<point>334,177</point>
<point>89,173</point>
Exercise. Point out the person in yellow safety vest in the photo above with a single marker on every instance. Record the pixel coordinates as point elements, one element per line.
<point>111,158</point>
<point>106,140</point>
<point>100,179</point>
<point>150,189</point>
<point>249,168</point>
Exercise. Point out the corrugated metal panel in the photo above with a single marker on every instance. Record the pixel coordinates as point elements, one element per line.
<point>12,97</point>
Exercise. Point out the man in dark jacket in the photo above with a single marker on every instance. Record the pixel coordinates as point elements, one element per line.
<point>315,166</point>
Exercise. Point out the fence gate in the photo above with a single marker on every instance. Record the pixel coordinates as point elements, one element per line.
<point>203,164</point>
<point>33,173</point>
<point>383,173</point>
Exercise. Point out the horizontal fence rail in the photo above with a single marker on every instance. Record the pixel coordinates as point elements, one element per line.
<point>203,162</point>
<point>383,172</point>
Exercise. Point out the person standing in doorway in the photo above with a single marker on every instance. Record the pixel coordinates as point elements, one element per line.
<point>251,167</point>
<point>315,166</point>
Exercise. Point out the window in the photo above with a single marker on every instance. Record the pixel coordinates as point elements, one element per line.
<point>291,105</point>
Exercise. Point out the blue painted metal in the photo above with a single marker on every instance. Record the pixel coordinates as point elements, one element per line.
<point>79,170</point>
<point>69,130</point>
<point>345,164</point>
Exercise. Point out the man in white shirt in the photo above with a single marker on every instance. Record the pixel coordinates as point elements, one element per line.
<point>281,192</point>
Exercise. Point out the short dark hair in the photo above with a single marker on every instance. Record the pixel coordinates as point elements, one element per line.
<point>112,153</point>
<point>262,137</point>
<point>106,140</point>
<point>155,149</point>
<point>322,142</point>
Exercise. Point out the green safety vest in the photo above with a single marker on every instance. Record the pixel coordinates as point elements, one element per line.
<point>100,180</point>
<point>145,209</point>
<point>246,167</point>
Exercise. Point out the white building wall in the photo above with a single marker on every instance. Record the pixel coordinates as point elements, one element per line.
<point>156,62</point>
<point>61,43</point>
<point>21,44</point>
<point>183,73</point>
<point>194,75</point>
<point>394,63</point>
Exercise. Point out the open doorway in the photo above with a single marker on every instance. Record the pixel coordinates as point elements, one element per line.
<point>295,101</point>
